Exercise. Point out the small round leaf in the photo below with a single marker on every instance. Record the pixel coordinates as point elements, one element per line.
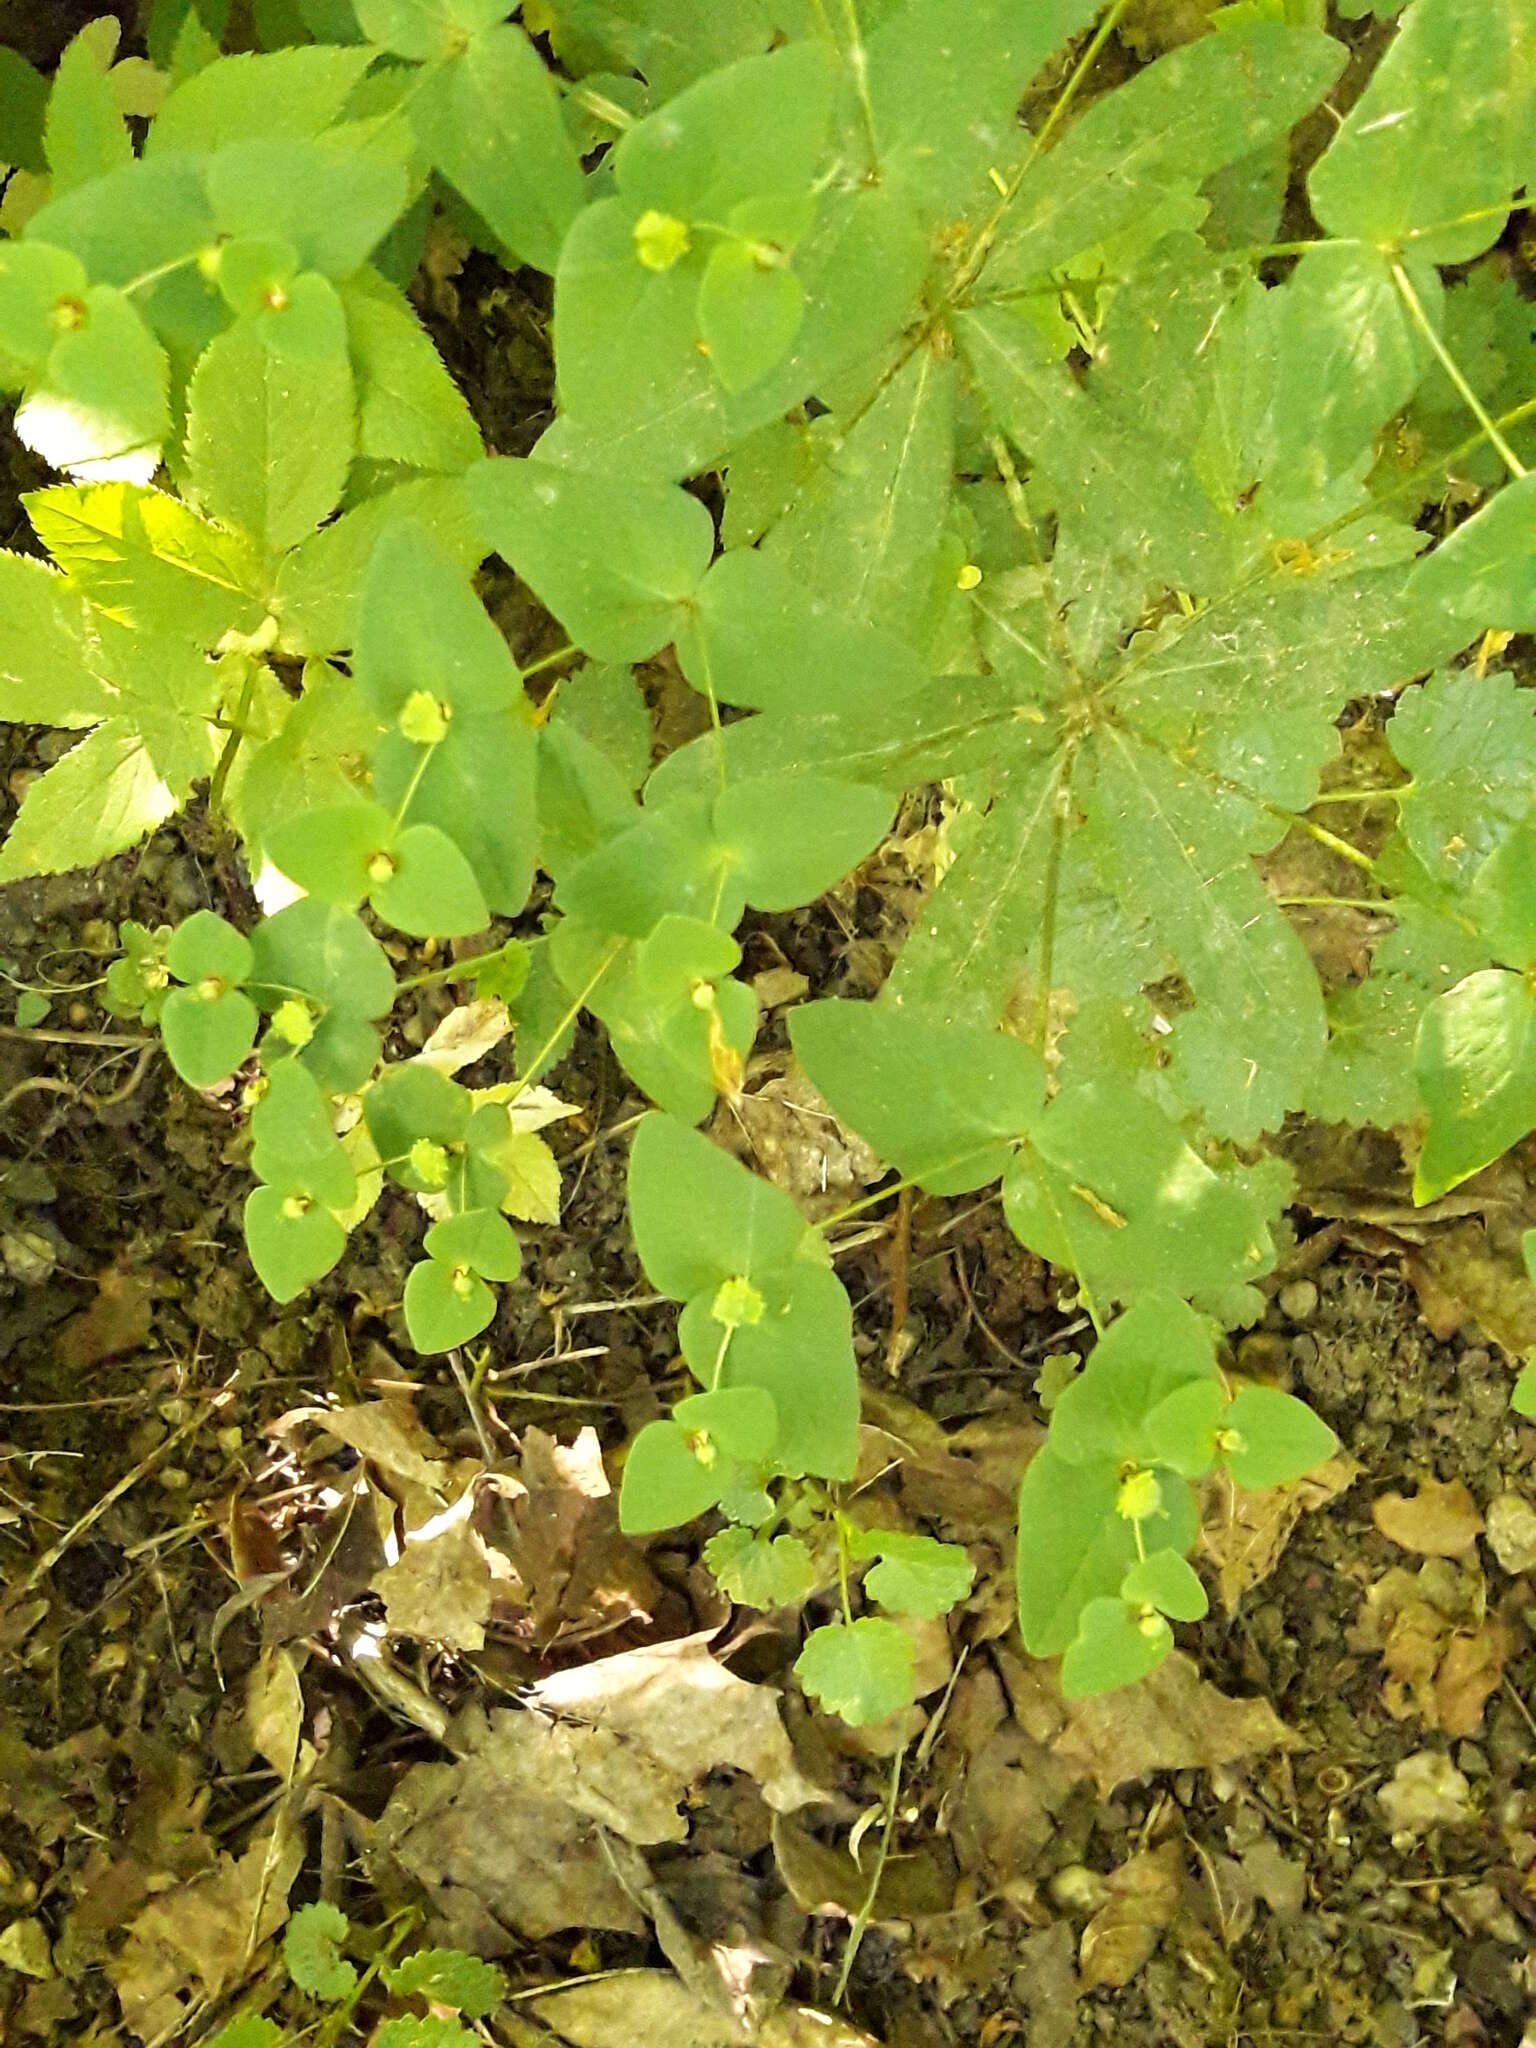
<point>207,1037</point>
<point>205,947</point>
<point>444,1306</point>
<point>666,1481</point>
<point>1112,1648</point>
<point>291,1246</point>
<point>1270,1437</point>
<point>862,1671</point>
<point>431,891</point>
<point>480,1240</point>
<point>1169,1583</point>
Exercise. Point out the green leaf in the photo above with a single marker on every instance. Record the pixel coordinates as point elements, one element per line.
<point>1485,571</point>
<point>1168,1582</point>
<point>334,203</point>
<point>445,1306</point>
<point>293,1242</point>
<point>944,106</point>
<point>1475,1060</point>
<point>760,1571</point>
<point>1523,1399</point>
<point>433,890</point>
<point>207,1035</point>
<point>409,408</point>
<point>1074,1545</point>
<point>699,1217</point>
<point>916,1575</point>
<point>409,1103</point>
<point>755,635</point>
<point>430,2031</point>
<point>319,586</point>
<point>863,534</point>
<point>1182,1429</point>
<point>615,561</point>
<point>446,1976</point>
<point>477,789</point>
<point>312,1950</point>
<point>83,133</point>
<point>23,98</point>
<point>206,944</point>
<point>490,121</point>
<point>742,1423</point>
<point>327,954</point>
<point>1270,1438</point>
<point>1106,1187</point>
<point>1503,897</point>
<point>1435,137</point>
<point>39,289</point>
<point>750,311</point>
<point>942,1103</point>
<point>790,838</point>
<point>135,219</point>
<point>251,2030</point>
<point>296,1148</point>
<point>1173,124</point>
<point>150,561</point>
<point>295,92</point>
<point>665,1482</point>
<point>1112,1648</point>
<point>1156,1349</point>
<point>327,852</point>
<point>1469,742</point>
<point>99,407</point>
<point>862,1671</point>
<point>270,425</point>
<point>31,1008</point>
<point>423,629</point>
<point>46,677</point>
<point>480,1240</point>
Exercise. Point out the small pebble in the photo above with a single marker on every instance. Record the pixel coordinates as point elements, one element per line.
<point>175,1480</point>
<point>1511,1532</point>
<point>1298,1300</point>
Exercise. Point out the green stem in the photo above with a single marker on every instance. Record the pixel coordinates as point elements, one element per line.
<point>858,64</point>
<point>842,1571</point>
<point>545,661</point>
<point>231,746</point>
<point>866,1911</point>
<point>719,1365</point>
<point>415,783</point>
<point>897,1187</point>
<point>456,970</point>
<point>1363,796</point>
<point>521,1087</point>
<point>1378,907</point>
<point>1452,369</point>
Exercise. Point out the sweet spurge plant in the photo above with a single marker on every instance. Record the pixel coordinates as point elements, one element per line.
<point>983,422</point>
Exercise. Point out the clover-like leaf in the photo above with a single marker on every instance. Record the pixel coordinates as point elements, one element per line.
<point>916,1575</point>
<point>447,1976</point>
<point>862,1671</point>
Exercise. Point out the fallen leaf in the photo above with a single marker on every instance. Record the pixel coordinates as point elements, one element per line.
<point>824,1879</point>
<point>508,1839</point>
<point>1170,1721</point>
<point>440,1587</point>
<point>689,1712</point>
<point>584,1577</point>
<point>1425,1791</point>
<point>388,1433</point>
<point>533,1171</point>
<point>786,1131</point>
<point>203,1931</point>
<point>465,1035</point>
<point>1244,1534</point>
<point>1121,1937</point>
<point>274,1710</point>
<point>1471,1672</point>
<point>24,1947</point>
<point>654,2006</point>
<point>1512,1532</point>
<point>1440,1519</point>
<point>117,1321</point>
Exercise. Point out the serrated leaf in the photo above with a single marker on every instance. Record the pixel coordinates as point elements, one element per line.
<point>295,92</point>
<point>1112,1648</point>
<point>1435,137</point>
<point>916,1575</point>
<point>270,424</point>
<point>1074,1545</point>
<point>429,2031</point>
<point>148,560</point>
<point>490,121</point>
<point>46,677</point>
<point>1270,1438</point>
<point>1485,571</point>
<point>862,1671</point>
<point>446,1976</point>
<point>1475,1061</point>
<point>616,561</point>
<point>1107,1187</point>
<point>1173,124</point>
<point>1502,901</point>
<point>1469,742</point>
<point>84,135</point>
<point>761,1571</point>
<point>425,29</point>
<point>409,408</point>
<point>944,1103</point>
<point>312,1950</point>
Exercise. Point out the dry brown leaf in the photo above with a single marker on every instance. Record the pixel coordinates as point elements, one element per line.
<point>786,1131</point>
<point>822,1879</point>
<point>1245,1534</point>
<point>465,1035</point>
<point>1120,1938</point>
<point>440,1587</point>
<point>690,1713</point>
<point>274,1710</point>
<point>509,1838</point>
<point>1471,1672</point>
<point>117,1321</point>
<point>648,2006</point>
<point>1172,1721</point>
<point>584,1578</point>
<point>202,1931</point>
<point>389,1434</point>
<point>1439,1520</point>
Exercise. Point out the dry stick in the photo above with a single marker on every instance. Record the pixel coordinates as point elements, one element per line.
<point>129,1480</point>
<point>901,1251</point>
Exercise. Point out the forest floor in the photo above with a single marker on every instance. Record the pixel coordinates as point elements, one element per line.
<point>286,1611</point>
